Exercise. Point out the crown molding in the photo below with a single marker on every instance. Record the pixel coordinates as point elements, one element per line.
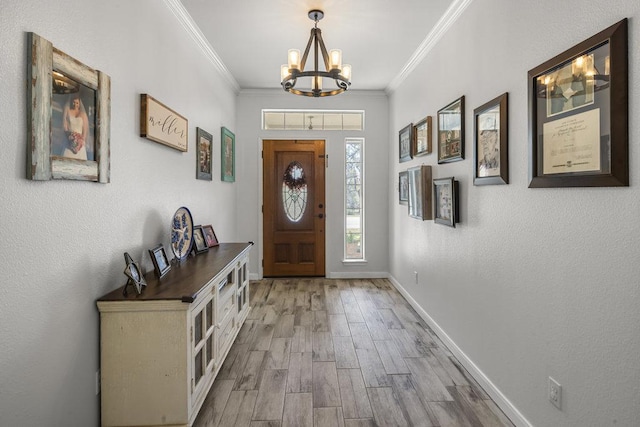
<point>177,8</point>
<point>450,16</point>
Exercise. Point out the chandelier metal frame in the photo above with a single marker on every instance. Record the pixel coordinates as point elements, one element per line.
<point>289,80</point>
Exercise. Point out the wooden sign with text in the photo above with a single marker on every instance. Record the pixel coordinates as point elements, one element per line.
<point>161,124</point>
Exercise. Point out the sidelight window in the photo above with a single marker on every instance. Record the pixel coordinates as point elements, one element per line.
<point>354,200</point>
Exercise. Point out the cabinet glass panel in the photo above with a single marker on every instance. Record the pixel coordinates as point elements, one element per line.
<point>197,333</point>
<point>209,349</point>
<point>209,315</point>
<point>198,367</point>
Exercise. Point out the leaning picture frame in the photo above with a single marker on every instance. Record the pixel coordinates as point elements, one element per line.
<point>451,132</point>
<point>578,114</point>
<point>445,204</point>
<point>490,148</point>
<point>161,263</point>
<point>68,119</point>
<point>420,192</point>
<point>210,236</point>
<point>422,139</point>
<point>405,138</point>
<point>199,242</point>
<point>403,188</point>
<point>204,154</point>
<point>228,155</point>
<point>135,275</point>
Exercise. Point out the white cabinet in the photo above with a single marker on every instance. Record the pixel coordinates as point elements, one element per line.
<point>161,351</point>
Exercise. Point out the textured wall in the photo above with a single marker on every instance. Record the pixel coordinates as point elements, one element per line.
<point>62,244</point>
<point>533,282</point>
<point>375,104</point>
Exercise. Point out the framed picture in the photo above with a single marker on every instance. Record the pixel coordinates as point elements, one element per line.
<point>204,148</point>
<point>445,195</point>
<point>405,137</point>
<point>403,187</point>
<point>422,137</point>
<point>451,132</point>
<point>134,274</point>
<point>199,242</point>
<point>420,192</point>
<point>578,115</point>
<point>68,118</point>
<point>228,155</point>
<point>490,155</point>
<point>210,236</point>
<point>161,124</point>
<point>160,261</point>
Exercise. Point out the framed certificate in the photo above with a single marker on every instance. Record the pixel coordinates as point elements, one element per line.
<point>578,118</point>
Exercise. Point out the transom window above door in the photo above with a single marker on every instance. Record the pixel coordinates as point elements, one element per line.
<point>312,120</point>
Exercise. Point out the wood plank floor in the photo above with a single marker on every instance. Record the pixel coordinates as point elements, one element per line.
<point>321,352</point>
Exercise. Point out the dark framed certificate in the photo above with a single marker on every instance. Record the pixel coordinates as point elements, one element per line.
<point>578,114</point>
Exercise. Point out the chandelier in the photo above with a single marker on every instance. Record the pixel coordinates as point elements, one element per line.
<point>334,69</point>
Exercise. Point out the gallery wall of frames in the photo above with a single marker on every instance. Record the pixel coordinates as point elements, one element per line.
<point>578,131</point>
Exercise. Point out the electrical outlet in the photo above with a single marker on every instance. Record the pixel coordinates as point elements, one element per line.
<point>98,382</point>
<point>555,393</point>
<point>415,273</point>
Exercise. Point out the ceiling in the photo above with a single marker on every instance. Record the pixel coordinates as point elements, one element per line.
<point>379,38</point>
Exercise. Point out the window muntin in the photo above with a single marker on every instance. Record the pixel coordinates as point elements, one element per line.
<point>312,120</point>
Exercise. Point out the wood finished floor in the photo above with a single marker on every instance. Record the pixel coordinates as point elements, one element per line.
<point>321,352</point>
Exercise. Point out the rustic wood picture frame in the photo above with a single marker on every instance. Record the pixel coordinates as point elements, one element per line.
<point>45,63</point>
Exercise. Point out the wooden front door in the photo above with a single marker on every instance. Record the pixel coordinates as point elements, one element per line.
<point>293,208</point>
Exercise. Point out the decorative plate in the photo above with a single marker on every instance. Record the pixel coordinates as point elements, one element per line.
<point>181,233</point>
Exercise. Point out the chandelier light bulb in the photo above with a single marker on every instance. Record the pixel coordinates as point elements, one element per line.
<point>346,72</point>
<point>284,71</point>
<point>294,59</point>
<point>335,59</point>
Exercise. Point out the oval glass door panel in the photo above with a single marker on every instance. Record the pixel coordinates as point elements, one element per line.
<point>294,192</point>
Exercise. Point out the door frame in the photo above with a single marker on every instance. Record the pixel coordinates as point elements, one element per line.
<point>261,199</point>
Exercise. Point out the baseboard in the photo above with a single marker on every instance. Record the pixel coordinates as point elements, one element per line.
<point>357,275</point>
<point>500,399</point>
<point>254,276</point>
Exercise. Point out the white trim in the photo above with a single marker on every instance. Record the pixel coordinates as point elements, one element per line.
<point>441,27</point>
<point>500,399</point>
<point>358,275</point>
<point>201,41</point>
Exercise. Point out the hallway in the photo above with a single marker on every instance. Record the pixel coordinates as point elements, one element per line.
<point>326,352</point>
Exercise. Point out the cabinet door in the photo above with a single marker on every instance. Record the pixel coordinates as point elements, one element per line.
<point>203,348</point>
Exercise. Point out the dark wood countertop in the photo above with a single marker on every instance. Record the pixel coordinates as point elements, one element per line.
<point>183,281</point>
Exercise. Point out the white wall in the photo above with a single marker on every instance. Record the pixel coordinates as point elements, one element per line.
<point>533,282</point>
<point>63,242</point>
<point>249,143</point>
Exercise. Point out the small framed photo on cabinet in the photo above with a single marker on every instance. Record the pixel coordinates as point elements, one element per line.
<point>160,261</point>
